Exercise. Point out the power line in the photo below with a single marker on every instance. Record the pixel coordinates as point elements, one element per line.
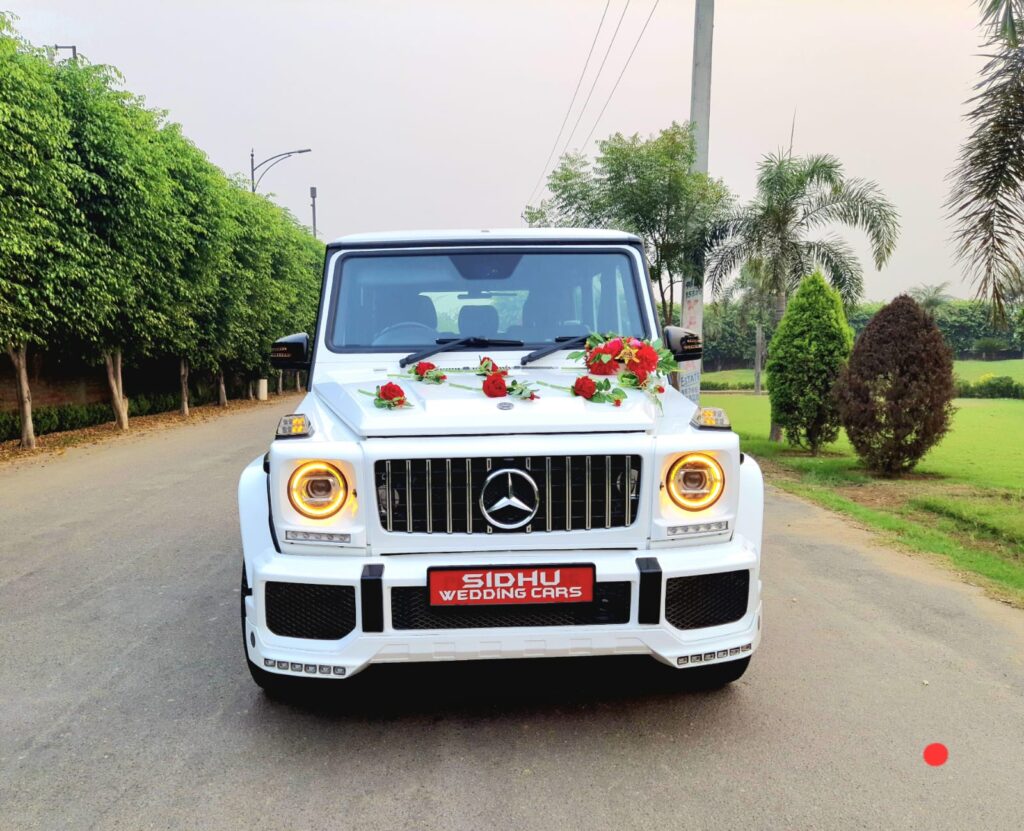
<point>597,77</point>
<point>575,92</point>
<point>610,94</point>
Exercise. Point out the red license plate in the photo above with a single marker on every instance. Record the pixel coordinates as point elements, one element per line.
<point>510,585</point>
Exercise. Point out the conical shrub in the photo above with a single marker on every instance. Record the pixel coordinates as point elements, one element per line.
<point>805,357</point>
<point>895,395</point>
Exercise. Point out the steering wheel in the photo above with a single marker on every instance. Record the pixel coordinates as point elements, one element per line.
<point>411,334</point>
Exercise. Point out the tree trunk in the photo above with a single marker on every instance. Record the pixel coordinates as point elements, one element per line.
<point>249,393</point>
<point>117,400</point>
<point>19,358</point>
<point>298,381</point>
<point>280,382</point>
<point>758,352</point>
<point>222,393</point>
<point>184,386</point>
<point>780,310</point>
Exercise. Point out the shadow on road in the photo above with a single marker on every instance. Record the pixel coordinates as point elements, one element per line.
<point>490,688</point>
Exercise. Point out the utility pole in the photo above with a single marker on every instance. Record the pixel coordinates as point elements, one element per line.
<point>700,115</point>
<point>74,50</point>
<point>312,196</point>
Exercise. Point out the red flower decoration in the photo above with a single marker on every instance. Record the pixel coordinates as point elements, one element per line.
<point>390,396</point>
<point>423,367</point>
<point>646,361</point>
<point>489,367</point>
<point>598,365</point>
<point>494,386</point>
<point>660,388</point>
<point>584,387</point>
<point>618,402</point>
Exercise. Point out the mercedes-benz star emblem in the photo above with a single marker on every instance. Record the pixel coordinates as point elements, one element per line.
<point>509,498</point>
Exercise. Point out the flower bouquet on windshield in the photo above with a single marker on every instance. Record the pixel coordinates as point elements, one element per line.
<point>636,362</point>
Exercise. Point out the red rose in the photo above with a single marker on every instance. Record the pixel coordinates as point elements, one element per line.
<point>533,396</point>
<point>661,388</point>
<point>494,386</point>
<point>584,387</point>
<point>392,392</point>
<point>646,360</point>
<point>600,367</point>
<point>641,376</point>
<point>618,402</point>
<point>423,367</point>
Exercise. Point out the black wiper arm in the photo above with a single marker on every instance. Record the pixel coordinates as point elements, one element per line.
<point>448,344</point>
<point>561,342</point>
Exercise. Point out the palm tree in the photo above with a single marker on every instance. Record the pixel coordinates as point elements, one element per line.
<point>931,296</point>
<point>797,196</point>
<point>988,182</point>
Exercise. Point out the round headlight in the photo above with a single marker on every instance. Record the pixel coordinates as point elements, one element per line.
<point>695,481</point>
<point>317,490</point>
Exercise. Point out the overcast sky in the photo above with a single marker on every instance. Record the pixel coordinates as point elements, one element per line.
<point>440,114</point>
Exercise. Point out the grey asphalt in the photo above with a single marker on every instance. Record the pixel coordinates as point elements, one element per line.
<point>125,702</point>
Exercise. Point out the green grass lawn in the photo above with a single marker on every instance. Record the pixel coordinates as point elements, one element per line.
<point>967,370</point>
<point>965,500</point>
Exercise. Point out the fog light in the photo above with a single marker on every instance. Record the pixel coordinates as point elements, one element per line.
<point>267,662</point>
<point>339,670</point>
<point>683,660</point>
<point>316,536</point>
<point>296,667</point>
<point>698,529</point>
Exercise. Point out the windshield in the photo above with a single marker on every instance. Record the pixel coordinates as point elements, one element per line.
<point>394,302</point>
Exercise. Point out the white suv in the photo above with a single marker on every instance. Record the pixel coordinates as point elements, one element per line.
<point>470,477</point>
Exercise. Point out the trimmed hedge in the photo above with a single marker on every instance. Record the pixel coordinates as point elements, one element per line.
<point>717,386</point>
<point>990,386</point>
<point>55,419</point>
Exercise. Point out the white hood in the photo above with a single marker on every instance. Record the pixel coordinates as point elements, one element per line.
<point>444,409</point>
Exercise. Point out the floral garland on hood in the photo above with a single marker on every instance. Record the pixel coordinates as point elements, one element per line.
<point>636,362</point>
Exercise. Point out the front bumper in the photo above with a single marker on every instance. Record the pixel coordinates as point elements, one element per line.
<point>375,638</point>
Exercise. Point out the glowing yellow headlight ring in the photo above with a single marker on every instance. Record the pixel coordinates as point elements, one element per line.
<point>300,498</point>
<point>712,471</point>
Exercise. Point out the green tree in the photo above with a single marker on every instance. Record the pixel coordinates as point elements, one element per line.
<point>647,186</point>
<point>805,358</point>
<point>36,207</point>
<point>963,323</point>
<point>123,194</point>
<point>931,296</point>
<point>797,196</point>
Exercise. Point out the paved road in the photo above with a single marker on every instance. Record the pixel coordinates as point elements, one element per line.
<point>124,701</point>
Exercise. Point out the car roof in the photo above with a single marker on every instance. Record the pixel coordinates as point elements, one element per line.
<point>485,236</point>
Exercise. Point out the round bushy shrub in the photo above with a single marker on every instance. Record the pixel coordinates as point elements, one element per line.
<point>805,357</point>
<point>894,397</point>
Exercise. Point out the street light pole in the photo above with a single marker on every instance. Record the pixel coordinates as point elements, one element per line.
<point>74,50</point>
<point>272,160</point>
<point>312,196</point>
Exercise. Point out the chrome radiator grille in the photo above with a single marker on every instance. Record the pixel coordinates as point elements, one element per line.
<point>507,494</point>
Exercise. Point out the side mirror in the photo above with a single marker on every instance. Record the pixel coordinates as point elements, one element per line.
<point>291,352</point>
<point>684,345</point>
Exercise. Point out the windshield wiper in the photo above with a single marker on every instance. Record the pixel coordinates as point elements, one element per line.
<point>561,342</point>
<point>448,344</point>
